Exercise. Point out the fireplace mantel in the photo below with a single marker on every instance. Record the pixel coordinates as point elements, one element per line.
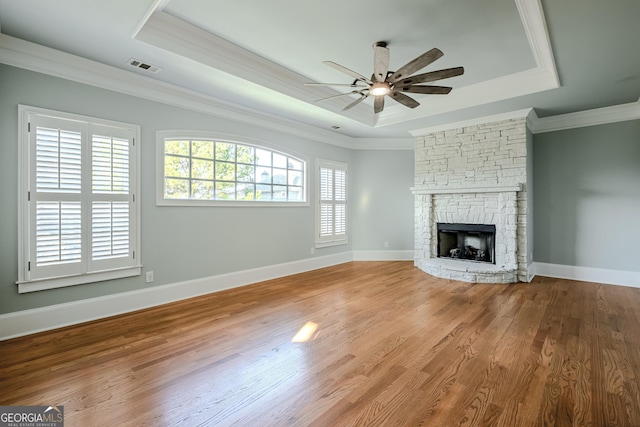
<point>497,188</point>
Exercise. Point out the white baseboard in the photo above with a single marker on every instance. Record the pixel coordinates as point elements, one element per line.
<point>588,274</point>
<point>27,322</point>
<point>531,271</point>
<point>35,320</point>
<point>393,255</point>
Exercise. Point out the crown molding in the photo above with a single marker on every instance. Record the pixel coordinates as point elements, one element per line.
<point>517,84</point>
<point>511,115</point>
<point>23,54</point>
<point>184,39</point>
<point>172,34</point>
<point>541,78</point>
<point>383,144</point>
<point>31,56</point>
<point>156,6</point>
<point>580,119</point>
<point>594,117</point>
<point>535,27</point>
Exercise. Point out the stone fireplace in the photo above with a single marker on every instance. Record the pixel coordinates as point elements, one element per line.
<point>475,177</point>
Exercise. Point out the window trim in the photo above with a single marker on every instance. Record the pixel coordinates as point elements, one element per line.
<point>333,240</point>
<point>27,284</point>
<point>163,135</point>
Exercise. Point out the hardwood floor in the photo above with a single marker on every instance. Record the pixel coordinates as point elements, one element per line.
<point>393,346</point>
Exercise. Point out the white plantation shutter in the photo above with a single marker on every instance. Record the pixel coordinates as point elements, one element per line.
<point>110,210</point>
<point>78,211</point>
<point>326,219</point>
<point>332,206</point>
<point>340,202</point>
<point>56,198</point>
<point>58,159</point>
<point>326,205</point>
<point>58,173</point>
<point>110,164</point>
<point>340,220</point>
<point>326,183</point>
<point>109,230</point>
<point>58,233</point>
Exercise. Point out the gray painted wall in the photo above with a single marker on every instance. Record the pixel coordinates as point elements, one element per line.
<point>178,243</point>
<point>581,178</point>
<point>382,202</point>
<point>587,196</point>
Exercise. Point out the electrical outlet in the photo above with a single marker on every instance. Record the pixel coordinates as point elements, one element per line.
<point>149,276</point>
<point>313,251</point>
<point>386,244</point>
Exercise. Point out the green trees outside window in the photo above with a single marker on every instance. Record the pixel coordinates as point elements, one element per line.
<point>200,169</point>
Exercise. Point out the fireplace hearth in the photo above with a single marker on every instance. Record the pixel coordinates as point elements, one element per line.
<point>469,242</point>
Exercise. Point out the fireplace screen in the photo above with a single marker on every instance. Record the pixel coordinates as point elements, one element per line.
<point>470,242</point>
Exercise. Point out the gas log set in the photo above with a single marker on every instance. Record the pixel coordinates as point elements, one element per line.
<point>469,252</point>
<point>471,242</point>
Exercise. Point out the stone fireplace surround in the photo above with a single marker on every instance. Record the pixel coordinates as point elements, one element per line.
<point>473,175</point>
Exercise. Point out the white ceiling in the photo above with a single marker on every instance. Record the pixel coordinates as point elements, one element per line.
<point>557,57</point>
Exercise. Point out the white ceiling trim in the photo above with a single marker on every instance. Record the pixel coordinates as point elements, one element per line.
<point>383,144</point>
<point>580,119</point>
<point>34,57</point>
<point>597,116</point>
<point>543,77</point>
<point>535,27</point>
<point>519,114</point>
<point>518,84</point>
<point>182,38</point>
<point>157,5</point>
<point>31,56</point>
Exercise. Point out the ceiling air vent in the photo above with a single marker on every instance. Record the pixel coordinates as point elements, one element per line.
<point>143,65</point>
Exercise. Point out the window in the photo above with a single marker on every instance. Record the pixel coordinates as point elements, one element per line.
<point>331,218</point>
<point>78,219</point>
<point>202,169</point>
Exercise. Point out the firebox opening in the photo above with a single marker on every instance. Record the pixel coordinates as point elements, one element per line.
<point>469,242</point>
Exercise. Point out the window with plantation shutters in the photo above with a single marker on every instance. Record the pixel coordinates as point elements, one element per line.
<point>78,218</point>
<point>331,228</point>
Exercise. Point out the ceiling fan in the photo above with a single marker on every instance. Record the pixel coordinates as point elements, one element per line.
<point>393,83</point>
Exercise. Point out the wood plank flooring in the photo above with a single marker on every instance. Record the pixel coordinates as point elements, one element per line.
<point>393,346</point>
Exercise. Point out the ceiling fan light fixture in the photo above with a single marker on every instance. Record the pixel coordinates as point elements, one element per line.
<point>379,89</point>
<point>384,82</point>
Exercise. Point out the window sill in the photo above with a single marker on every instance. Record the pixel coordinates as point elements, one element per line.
<point>228,203</point>
<point>331,243</point>
<point>61,282</point>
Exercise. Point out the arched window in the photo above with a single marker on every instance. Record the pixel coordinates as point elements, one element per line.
<point>204,169</point>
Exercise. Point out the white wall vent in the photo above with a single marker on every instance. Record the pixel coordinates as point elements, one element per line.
<point>143,65</point>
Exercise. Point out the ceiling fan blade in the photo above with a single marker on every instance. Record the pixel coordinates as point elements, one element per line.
<point>432,76</point>
<point>380,61</point>
<point>404,99</point>
<point>348,71</point>
<point>378,104</point>
<point>432,90</point>
<point>417,64</point>
<point>339,95</point>
<point>356,102</point>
